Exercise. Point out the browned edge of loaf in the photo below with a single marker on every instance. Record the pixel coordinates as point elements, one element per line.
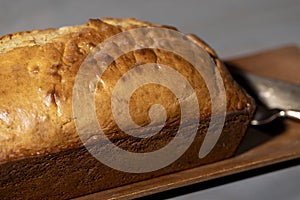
<point>75,172</point>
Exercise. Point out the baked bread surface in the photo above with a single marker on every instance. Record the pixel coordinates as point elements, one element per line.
<point>39,143</point>
<point>38,70</point>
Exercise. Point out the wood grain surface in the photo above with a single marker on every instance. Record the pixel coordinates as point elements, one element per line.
<point>261,147</point>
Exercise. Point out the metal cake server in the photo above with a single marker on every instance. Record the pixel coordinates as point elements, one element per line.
<point>275,98</point>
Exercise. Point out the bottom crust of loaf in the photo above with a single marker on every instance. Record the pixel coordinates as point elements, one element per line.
<point>76,172</point>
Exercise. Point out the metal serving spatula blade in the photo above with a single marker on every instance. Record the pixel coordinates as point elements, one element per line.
<point>274,98</point>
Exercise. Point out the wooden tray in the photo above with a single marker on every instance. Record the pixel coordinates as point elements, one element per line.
<point>261,147</point>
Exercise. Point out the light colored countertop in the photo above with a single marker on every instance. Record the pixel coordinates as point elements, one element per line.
<point>232,27</point>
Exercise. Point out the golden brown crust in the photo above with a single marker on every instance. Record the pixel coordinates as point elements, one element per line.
<point>37,74</point>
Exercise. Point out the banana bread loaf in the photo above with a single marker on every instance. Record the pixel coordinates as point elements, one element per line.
<point>41,153</point>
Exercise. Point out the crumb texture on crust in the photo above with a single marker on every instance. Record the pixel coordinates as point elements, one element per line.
<point>37,75</point>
